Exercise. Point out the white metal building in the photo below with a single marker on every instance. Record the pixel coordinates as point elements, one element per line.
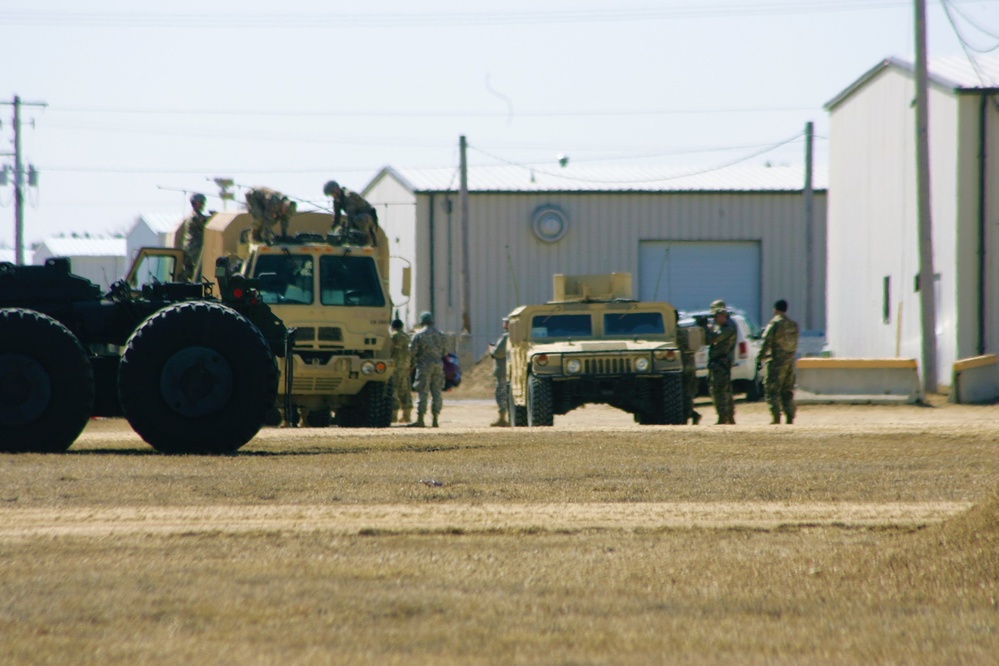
<point>688,238</point>
<point>100,260</point>
<point>153,230</point>
<point>873,302</point>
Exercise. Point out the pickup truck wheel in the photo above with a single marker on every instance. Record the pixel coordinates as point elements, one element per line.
<point>518,413</point>
<point>197,377</point>
<point>539,402</point>
<point>754,392</point>
<point>46,384</point>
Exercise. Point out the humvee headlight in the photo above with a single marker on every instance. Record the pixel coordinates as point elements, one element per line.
<point>368,368</point>
<point>380,367</point>
<point>573,366</point>
<point>665,354</point>
<point>541,359</point>
<point>642,364</point>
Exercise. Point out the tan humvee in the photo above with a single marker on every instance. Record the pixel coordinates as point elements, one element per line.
<point>594,344</point>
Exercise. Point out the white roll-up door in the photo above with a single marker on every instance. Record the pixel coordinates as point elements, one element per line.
<point>689,275</point>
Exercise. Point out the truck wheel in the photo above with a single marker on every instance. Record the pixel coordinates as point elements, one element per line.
<point>518,413</point>
<point>373,408</point>
<point>319,418</point>
<point>539,402</point>
<point>754,392</point>
<point>197,377</point>
<point>46,384</point>
<point>672,399</point>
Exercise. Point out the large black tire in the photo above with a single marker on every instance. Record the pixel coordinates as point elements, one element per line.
<point>672,399</point>
<point>373,408</point>
<point>197,378</point>
<point>46,384</point>
<point>539,402</point>
<point>755,391</point>
<point>518,413</point>
<point>319,418</point>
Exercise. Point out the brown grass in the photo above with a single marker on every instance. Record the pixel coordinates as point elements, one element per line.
<point>822,544</point>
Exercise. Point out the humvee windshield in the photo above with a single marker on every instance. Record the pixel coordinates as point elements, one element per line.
<point>633,323</point>
<point>288,278</point>
<point>350,280</point>
<point>561,326</point>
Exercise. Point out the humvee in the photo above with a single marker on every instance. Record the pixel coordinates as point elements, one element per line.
<point>593,343</point>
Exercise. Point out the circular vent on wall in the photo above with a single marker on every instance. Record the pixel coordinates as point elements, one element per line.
<point>550,223</point>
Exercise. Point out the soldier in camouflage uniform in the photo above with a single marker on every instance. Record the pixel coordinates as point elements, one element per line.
<point>194,237</point>
<point>426,352</point>
<point>721,337</point>
<point>498,352</point>
<point>402,397</point>
<point>268,208</point>
<point>361,218</point>
<point>689,375</point>
<point>780,343</point>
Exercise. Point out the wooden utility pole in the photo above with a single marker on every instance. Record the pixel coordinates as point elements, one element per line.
<point>927,284</point>
<point>809,231</point>
<point>19,179</point>
<point>466,278</point>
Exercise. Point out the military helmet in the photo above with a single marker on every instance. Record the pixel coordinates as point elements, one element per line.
<point>195,198</point>
<point>718,306</point>
<point>329,187</point>
<point>426,318</point>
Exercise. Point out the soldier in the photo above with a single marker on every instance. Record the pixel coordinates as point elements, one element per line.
<point>360,215</point>
<point>194,237</point>
<point>721,355</point>
<point>402,397</point>
<point>498,352</point>
<point>776,357</point>
<point>426,352</point>
<point>268,208</point>
<point>689,374</point>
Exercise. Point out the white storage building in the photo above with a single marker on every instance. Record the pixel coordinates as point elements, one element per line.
<point>738,233</point>
<point>100,260</point>
<point>873,240</point>
<point>153,230</point>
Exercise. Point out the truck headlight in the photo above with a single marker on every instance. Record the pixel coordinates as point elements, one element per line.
<point>573,366</point>
<point>368,368</point>
<point>642,364</point>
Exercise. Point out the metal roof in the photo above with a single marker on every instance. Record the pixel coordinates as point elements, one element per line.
<point>160,223</point>
<point>955,73</point>
<point>573,178</point>
<point>85,247</point>
<point>8,254</point>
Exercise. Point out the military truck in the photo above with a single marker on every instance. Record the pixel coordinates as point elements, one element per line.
<point>192,370</point>
<point>333,292</point>
<point>594,344</point>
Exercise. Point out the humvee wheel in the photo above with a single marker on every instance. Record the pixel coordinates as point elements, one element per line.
<point>672,399</point>
<point>197,378</point>
<point>539,402</point>
<point>518,413</point>
<point>46,384</point>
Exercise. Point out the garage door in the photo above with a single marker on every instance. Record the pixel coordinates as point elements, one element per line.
<point>689,275</point>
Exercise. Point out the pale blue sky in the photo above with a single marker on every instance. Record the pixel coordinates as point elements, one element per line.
<point>146,100</point>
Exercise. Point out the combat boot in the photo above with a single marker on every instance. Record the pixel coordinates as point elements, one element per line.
<point>395,416</point>
<point>407,414</point>
<point>434,423</point>
<point>418,423</point>
<point>775,419</point>
<point>790,419</point>
<point>500,422</point>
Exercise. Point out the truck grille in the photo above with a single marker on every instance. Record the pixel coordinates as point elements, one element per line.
<point>607,365</point>
<point>305,335</point>
<point>330,334</point>
<point>315,385</point>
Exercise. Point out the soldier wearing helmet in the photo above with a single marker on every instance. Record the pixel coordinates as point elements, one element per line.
<point>427,350</point>
<point>354,219</point>
<point>776,358</point>
<point>721,337</point>
<point>193,233</point>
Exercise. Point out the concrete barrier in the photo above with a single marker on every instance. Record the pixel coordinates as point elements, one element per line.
<point>857,380</point>
<point>975,379</point>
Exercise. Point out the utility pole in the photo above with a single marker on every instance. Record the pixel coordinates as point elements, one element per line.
<point>927,285</point>
<point>466,278</point>
<point>19,178</point>
<point>809,230</point>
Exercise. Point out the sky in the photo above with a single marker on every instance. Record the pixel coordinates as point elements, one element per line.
<point>130,107</point>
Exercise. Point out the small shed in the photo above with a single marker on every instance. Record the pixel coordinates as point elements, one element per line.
<point>153,230</point>
<point>100,260</point>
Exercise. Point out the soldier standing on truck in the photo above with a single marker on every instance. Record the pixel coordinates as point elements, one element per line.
<point>721,336</point>
<point>776,357</point>
<point>402,396</point>
<point>689,374</point>
<point>268,208</point>
<point>426,352</point>
<point>351,213</point>
<point>194,236</point>
<point>498,352</point>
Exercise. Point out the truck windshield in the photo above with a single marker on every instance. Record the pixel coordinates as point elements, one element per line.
<point>285,278</point>
<point>350,280</point>
<point>633,323</point>
<point>561,326</point>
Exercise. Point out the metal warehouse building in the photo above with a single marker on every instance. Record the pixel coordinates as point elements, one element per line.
<point>874,306</point>
<point>740,233</point>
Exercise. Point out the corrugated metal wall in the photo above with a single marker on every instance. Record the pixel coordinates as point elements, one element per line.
<point>511,266</point>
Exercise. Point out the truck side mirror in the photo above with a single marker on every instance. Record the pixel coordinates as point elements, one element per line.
<point>407,280</point>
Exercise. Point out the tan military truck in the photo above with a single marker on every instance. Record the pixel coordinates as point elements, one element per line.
<point>336,297</point>
<point>594,344</point>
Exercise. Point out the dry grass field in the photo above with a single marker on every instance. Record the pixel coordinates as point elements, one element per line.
<point>859,535</point>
